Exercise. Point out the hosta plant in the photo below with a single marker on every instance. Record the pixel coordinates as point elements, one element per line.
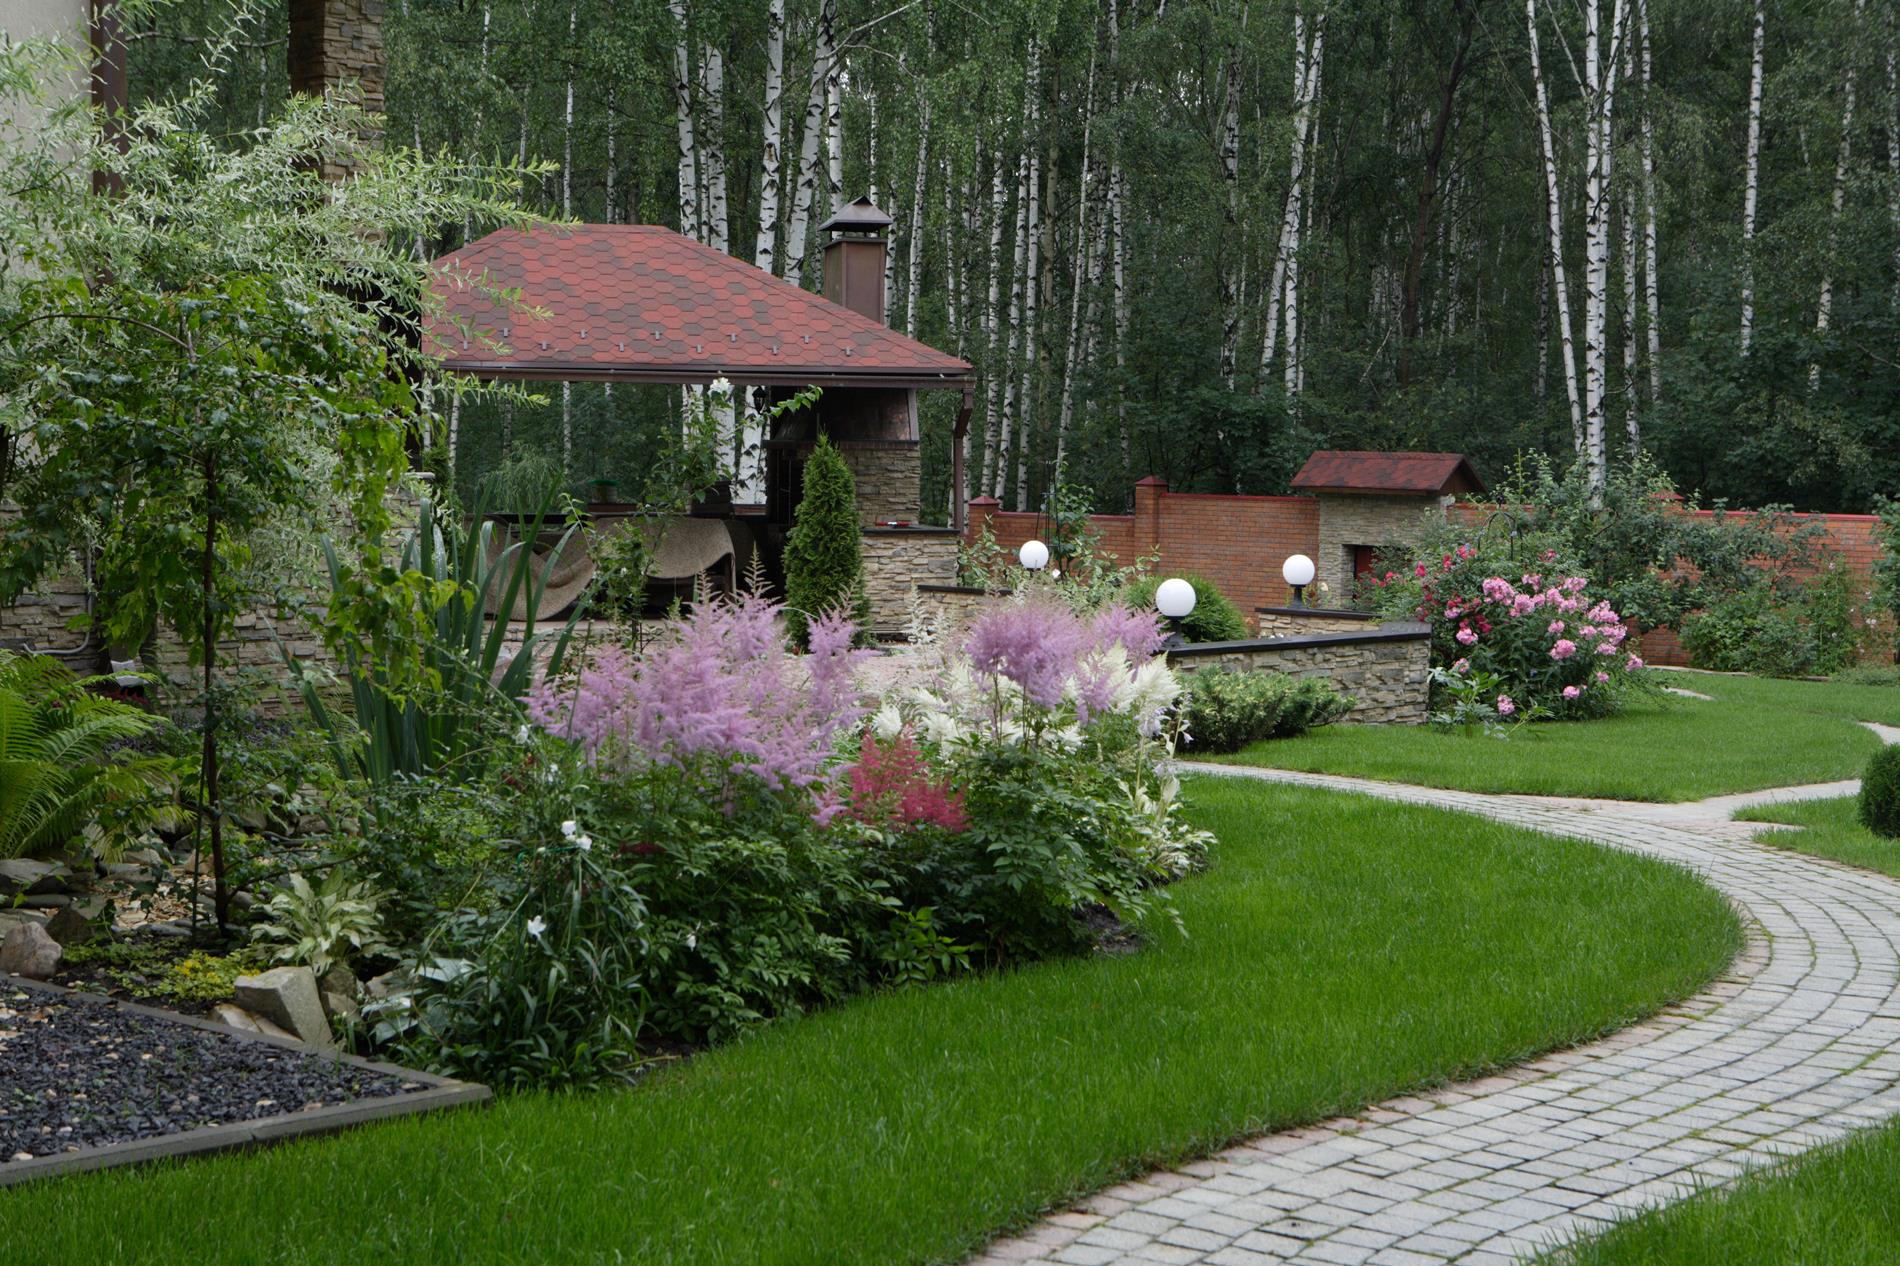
<point>322,926</point>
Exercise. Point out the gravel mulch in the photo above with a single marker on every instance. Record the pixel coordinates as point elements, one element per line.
<point>79,1072</point>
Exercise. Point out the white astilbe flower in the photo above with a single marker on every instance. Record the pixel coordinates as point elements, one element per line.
<point>1148,695</point>
<point>888,721</point>
<point>568,828</point>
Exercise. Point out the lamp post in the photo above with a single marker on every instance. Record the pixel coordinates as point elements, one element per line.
<point>1034,555</point>
<point>1298,572</point>
<point>1174,599</point>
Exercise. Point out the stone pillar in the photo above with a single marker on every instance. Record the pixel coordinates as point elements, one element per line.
<point>333,43</point>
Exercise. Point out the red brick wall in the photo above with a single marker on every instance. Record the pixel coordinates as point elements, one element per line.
<point>1240,542</point>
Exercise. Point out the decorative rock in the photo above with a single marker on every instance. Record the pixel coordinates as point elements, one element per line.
<point>232,1016</point>
<point>28,951</point>
<point>10,919</point>
<point>288,996</point>
<point>79,921</point>
<point>341,1007</point>
<point>387,985</point>
<point>339,979</point>
<point>20,875</point>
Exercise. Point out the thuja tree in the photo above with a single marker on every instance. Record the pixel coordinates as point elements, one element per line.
<point>206,343</point>
<point>824,559</point>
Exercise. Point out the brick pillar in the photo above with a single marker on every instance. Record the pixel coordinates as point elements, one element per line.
<point>978,518</point>
<point>1149,494</point>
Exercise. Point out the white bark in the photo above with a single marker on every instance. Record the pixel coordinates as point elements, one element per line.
<point>1893,157</point>
<point>1652,297</point>
<point>1553,203</point>
<point>1031,289</point>
<point>834,107</point>
<point>765,246</point>
<point>683,108</point>
<point>1117,196</point>
<point>1066,413</point>
<point>613,121</point>
<point>1290,219</point>
<point>567,133</point>
<point>914,271</point>
<point>1752,179</point>
<point>1012,333</point>
<point>1824,310</point>
<point>567,428</point>
<point>1230,180</point>
<point>1295,215</point>
<point>712,144</point>
<point>1630,424</point>
<point>1601,61</point>
<point>997,357</point>
<point>805,199</point>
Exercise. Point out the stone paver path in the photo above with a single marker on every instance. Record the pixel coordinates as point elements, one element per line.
<point>1798,1045</point>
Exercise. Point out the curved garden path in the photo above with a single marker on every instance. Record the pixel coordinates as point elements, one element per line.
<point>1797,1045</point>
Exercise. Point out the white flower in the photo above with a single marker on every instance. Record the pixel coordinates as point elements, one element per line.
<point>553,774</point>
<point>692,941</point>
<point>585,843</point>
<point>522,733</point>
<point>887,723</point>
<point>568,828</point>
<point>720,387</point>
<point>537,926</point>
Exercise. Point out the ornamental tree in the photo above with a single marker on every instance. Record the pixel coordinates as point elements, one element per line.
<point>824,560</point>
<point>206,346</point>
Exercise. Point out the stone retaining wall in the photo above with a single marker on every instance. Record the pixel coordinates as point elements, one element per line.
<point>1304,621</point>
<point>896,562</point>
<point>1386,670</point>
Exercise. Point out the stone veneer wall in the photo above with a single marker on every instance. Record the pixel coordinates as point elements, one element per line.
<point>887,474</point>
<point>1346,520</point>
<point>948,605</point>
<point>896,561</point>
<point>333,42</point>
<point>1386,670</point>
<point>1304,621</point>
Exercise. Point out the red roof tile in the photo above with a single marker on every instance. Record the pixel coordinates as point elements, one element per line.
<point>1420,474</point>
<point>644,302</point>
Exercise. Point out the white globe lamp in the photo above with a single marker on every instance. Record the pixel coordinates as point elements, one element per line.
<point>1174,599</point>
<point>1298,572</point>
<point>1034,555</point>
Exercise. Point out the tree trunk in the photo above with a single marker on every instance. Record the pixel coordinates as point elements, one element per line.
<point>996,343</point>
<point>806,197</point>
<point>1630,424</point>
<point>1553,202</point>
<point>765,246</point>
<point>1230,245</point>
<point>1032,290</point>
<point>712,144</point>
<point>1289,219</point>
<point>914,271</point>
<point>683,107</point>
<point>1752,179</point>
<point>613,161</point>
<point>834,108</point>
<point>1824,310</point>
<point>213,806</point>
<point>1012,334</point>
<point>1066,413</point>
<point>1652,301</point>
<point>1296,213</point>
<point>1893,156</point>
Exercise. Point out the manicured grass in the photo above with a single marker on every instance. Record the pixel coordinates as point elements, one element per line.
<point>1340,950</point>
<point>1836,1207</point>
<point>1755,733</point>
<point>1830,829</point>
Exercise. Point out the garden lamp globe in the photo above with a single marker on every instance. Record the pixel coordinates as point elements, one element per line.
<point>1297,571</point>
<point>1174,599</point>
<point>1034,555</point>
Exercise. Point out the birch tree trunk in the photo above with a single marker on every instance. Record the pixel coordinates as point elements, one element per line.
<point>712,144</point>
<point>1296,207</point>
<point>567,137</point>
<point>481,101</point>
<point>1553,202</point>
<point>1012,334</point>
<point>834,108</point>
<point>1752,178</point>
<point>914,269</point>
<point>613,121</point>
<point>1032,290</point>
<point>1630,424</point>
<point>1893,157</point>
<point>1601,65</point>
<point>806,197</point>
<point>765,246</point>
<point>1066,412</point>
<point>1230,249</point>
<point>1303,63</point>
<point>1824,310</point>
<point>996,342</point>
<point>1652,298</point>
<point>1117,195</point>
<point>683,107</point>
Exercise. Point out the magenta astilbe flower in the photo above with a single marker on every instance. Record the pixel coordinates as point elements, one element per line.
<point>586,709</point>
<point>1034,644</point>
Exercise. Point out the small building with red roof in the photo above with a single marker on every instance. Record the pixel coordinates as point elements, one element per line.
<point>1369,500</point>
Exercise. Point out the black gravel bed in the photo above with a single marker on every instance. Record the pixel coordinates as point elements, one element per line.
<point>79,1072</point>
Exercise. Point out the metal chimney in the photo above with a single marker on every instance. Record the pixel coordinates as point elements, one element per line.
<point>854,258</point>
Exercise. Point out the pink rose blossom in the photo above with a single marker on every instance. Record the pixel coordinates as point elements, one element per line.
<point>1505,706</point>
<point>1465,636</point>
<point>1571,692</point>
<point>1461,666</point>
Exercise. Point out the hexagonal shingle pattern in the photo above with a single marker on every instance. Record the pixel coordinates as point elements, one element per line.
<point>1796,1046</point>
<point>645,300</point>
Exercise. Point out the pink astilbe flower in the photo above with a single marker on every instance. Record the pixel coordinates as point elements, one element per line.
<point>1137,632</point>
<point>890,787</point>
<point>1034,644</point>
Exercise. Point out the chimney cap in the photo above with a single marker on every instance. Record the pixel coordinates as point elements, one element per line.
<point>860,215</point>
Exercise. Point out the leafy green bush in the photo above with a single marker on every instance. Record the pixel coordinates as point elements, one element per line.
<point>1225,710</point>
<point>1214,619</point>
<point>63,769</point>
<point>1880,793</point>
<point>324,926</point>
<point>824,558</point>
<point>1869,675</point>
<point>1750,632</point>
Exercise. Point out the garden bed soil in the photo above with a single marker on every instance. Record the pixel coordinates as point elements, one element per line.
<point>87,1082</point>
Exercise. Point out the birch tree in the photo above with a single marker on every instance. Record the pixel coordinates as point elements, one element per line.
<point>712,144</point>
<point>1652,298</point>
<point>1824,310</point>
<point>914,270</point>
<point>683,105</point>
<point>1553,206</point>
<point>804,200</point>
<point>765,246</point>
<point>1751,179</point>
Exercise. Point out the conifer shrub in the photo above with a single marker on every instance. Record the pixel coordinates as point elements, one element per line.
<point>1214,619</point>
<point>1880,794</point>
<point>824,559</point>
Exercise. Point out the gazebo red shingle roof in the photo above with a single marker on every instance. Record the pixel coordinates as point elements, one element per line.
<point>1415,474</point>
<point>643,303</point>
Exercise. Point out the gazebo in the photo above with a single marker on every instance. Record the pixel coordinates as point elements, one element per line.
<point>642,304</point>
<point>1368,500</point>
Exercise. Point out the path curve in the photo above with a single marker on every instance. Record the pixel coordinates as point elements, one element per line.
<point>1796,1046</point>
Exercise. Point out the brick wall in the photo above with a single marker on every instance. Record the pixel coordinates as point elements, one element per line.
<point>1240,542</point>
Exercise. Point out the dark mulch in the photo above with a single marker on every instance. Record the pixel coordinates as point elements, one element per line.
<point>79,1072</point>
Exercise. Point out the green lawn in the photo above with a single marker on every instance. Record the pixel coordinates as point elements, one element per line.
<point>1756,733</point>
<point>1837,1207</point>
<point>1830,829</point>
<point>1340,950</point>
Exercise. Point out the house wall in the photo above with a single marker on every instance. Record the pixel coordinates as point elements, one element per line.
<point>896,561</point>
<point>1346,520</point>
<point>887,475</point>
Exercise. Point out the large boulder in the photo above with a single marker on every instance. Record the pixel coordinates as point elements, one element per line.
<point>21,876</point>
<point>29,952</point>
<point>288,997</point>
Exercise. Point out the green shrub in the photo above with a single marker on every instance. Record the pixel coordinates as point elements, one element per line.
<point>1750,632</point>
<point>1226,710</point>
<point>1880,794</point>
<point>824,561</point>
<point>1214,618</point>
<point>1869,675</point>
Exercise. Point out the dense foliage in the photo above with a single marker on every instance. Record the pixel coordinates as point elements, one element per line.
<point>824,559</point>
<point>1215,618</point>
<point>1224,710</point>
<point>1880,793</point>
